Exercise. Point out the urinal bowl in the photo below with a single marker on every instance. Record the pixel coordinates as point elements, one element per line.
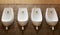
<point>22,17</point>
<point>51,17</point>
<point>36,17</point>
<point>7,17</point>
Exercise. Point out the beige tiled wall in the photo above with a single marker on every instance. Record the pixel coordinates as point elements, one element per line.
<point>29,1</point>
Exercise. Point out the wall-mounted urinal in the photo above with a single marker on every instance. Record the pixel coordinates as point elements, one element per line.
<point>36,17</point>
<point>51,17</point>
<point>7,17</point>
<point>22,17</point>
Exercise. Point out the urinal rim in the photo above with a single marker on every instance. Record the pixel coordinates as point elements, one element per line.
<point>36,21</point>
<point>7,20</point>
<point>22,20</point>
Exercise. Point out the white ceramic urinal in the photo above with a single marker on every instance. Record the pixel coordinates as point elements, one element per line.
<point>22,17</point>
<point>36,17</point>
<point>51,17</point>
<point>7,17</point>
